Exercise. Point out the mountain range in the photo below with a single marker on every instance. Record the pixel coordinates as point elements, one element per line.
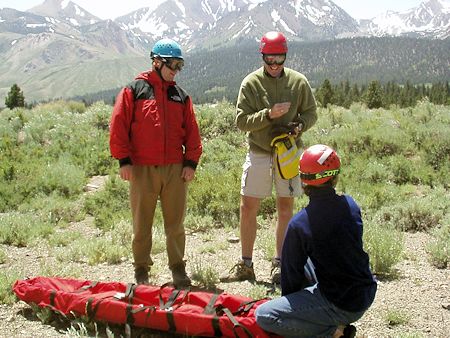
<point>58,49</point>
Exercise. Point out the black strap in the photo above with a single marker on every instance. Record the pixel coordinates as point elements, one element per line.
<point>51,306</point>
<point>216,326</point>
<point>151,309</point>
<point>52,297</point>
<point>236,324</point>
<point>129,292</point>
<point>171,322</point>
<point>86,287</point>
<point>170,301</point>
<point>209,308</point>
<point>173,298</point>
<point>92,311</point>
<point>129,314</point>
<point>246,306</point>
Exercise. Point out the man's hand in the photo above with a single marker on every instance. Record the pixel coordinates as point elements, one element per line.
<point>125,172</point>
<point>188,174</point>
<point>279,109</point>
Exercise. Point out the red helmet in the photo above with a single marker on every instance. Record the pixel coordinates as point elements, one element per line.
<point>318,164</point>
<point>273,43</point>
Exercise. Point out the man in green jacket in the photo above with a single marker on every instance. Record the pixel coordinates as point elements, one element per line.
<point>271,100</point>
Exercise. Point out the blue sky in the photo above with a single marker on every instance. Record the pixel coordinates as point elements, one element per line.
<point>108,9</point>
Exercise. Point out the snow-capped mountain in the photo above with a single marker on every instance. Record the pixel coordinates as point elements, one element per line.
<point>430,19</point>
<point>200,23</point>
<point>65,10</point>
<point>59,49</point>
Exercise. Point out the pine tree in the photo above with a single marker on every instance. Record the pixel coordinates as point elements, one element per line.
<point>15,97</point>
<point>354,93</point>
<point>325,93</point>
<point>348,100</point>
<point>373,95</point>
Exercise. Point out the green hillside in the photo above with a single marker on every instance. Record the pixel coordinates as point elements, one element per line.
<point>213,75</point>
<point>217,74</point>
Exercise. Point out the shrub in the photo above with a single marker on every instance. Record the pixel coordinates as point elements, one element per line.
<point>439,247</point>
<point>414,214</point>
<point>384,245</point>
<point>198,223</point>
<point>21,229</point>
<point>54,209</point>
<point>64,239</point>
<point>3,256</point>
<point>62,177</point>
<point>102,250</point>
<point>7,279</point>
<point>373,197</point>
<point>158,239</point>
<point>109,205</point>
<point>396,317</point>
<point>265,239</point>
<point>205,274</point>
<point>59,269</point>
<point>216,119</point>
<point>215,194</point>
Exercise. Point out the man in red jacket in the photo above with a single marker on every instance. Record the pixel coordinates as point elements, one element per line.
<point>155,136</point>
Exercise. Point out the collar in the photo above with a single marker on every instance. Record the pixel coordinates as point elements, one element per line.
<point>270,76</point>
<point>322,192</point>
<point>154,78</point>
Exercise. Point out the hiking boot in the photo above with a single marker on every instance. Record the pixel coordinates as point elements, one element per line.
<point>141,276</point>
<point>349,331</point>
<point>239,272</point>
<point>275,272</point>
<point>179,276</point>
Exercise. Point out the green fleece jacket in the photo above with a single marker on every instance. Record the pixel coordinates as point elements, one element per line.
<point>259,92</point>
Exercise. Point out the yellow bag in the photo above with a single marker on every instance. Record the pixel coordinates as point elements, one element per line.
<point>286,155</point>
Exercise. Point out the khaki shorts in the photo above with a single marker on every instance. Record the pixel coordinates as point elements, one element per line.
<point>259,174</point>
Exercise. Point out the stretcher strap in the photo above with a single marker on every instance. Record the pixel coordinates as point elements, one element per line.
<point>216,327</point>
<point>92,311</point>
<point>173,298</point>
<point>246,306</point>
<point>86,287</point>
<point>170,301</point>
<point>236,324</point>
<point>52,298</point>
<point>129,292</point>
<point>211,310</point>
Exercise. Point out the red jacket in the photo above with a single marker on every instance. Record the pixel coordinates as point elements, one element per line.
<point>153,123</point>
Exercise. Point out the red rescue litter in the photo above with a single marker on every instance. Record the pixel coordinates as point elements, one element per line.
<point>186,312</point>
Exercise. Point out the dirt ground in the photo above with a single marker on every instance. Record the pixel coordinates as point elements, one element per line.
<point>420,293</point>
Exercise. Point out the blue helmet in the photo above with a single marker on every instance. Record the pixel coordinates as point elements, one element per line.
<point>166,48</point>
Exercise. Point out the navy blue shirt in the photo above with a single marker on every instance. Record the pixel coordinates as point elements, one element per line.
<point>329,231</point>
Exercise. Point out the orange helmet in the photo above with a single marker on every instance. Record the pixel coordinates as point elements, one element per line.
<point>318,164</point>
<point>273,43</point>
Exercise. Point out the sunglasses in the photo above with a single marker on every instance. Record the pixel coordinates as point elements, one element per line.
<point>174,64</point>
<point>271,59</point>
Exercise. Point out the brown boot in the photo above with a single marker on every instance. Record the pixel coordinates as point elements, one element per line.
<point>275,272</point>
<point>180,278</point>
<point>239,272</point>
<point>141,275</point>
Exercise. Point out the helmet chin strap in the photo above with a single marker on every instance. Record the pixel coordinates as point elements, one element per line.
<point>158,70</point>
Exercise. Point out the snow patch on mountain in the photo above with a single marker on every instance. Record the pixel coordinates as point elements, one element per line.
<point>430,17</point>
<point>64,3</point>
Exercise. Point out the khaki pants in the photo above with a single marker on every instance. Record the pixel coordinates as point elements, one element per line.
<point>147,184</point>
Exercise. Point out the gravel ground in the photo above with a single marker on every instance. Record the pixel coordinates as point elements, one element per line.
<point>420,293</point>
